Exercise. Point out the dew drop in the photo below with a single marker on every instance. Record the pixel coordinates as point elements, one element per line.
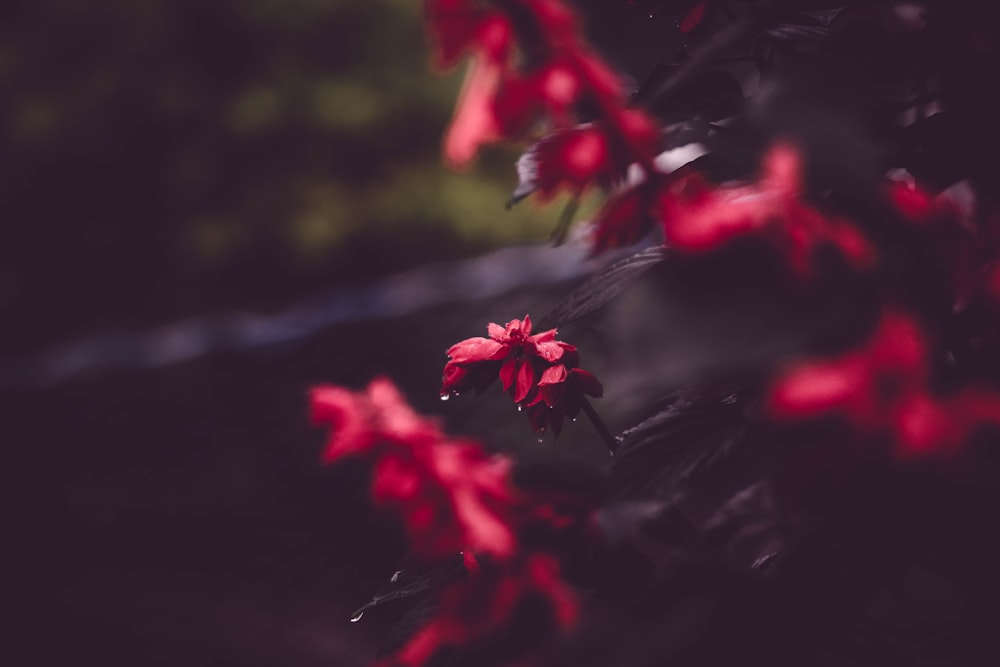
<point>357,616</point>
<point>519,408</point>
<point>395,576</point>
<point>445,397</point>
<point>573,419</point>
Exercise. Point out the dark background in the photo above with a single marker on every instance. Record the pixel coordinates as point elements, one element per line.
<point>197,164</point>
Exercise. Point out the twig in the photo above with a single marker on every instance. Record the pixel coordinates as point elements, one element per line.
<point>598,423</point>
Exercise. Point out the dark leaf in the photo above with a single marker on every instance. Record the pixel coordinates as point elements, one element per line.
<point>718,45</point>
<point>675,445</point>
<point>795,32</point>
<point>602,287</point>
<point>414,578</point>
<point>710,95</point>
<point>407,625</point>
<point>748,527</point>
<point>642,522</point>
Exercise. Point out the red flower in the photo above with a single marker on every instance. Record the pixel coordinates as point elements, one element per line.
<point>482,606</point>
<point>475,121</point>
<point>451,495</point>
<point>885,388</point>
<point>539,372</point>
<point>697,218</point>
<point>361,421</point>
<point>572,159</point>
<point>510,351</point>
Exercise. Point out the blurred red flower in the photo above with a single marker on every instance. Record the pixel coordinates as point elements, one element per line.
<point>884,388</point>
<point>452,496</point>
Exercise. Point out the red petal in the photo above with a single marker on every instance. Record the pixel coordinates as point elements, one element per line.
<point>470,563</point>
<point>622,220</point>
<point>572,159</point>
<point>507,372</point>
<point>474,122</point>
<point>453,23</point>
<point>694,16</point>
<point>525,380</point>
<point>526,326</point>
<point>913,202</point>
<point>549,350</point>
<point>898,345</point>
<point>476,349</point>
<point>346,414</point>
<point>587,382</point>
<point>811,389</point>
<point>553,375</point>
<point>496,332</point>
<point>395,479</point>
<point>452,377</point>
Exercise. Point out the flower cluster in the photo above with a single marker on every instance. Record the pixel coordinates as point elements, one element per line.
<point>504,96</point>
<point>884,388</point>
<point>532,76</point>
<point>452,497</point>
<point>471,612</point>
<point>540,373</point>
<point>697,218</point>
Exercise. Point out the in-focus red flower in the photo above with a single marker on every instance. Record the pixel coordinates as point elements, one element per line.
<point>539,372</point>
<point>451,495</point>
<point>509,353</point>
<point>884,388</point>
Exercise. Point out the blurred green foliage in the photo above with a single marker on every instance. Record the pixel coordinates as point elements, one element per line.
<point>168,156</point>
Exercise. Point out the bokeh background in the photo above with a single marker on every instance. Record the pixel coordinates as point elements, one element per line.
<point>163,158</point>
<point>206,207</point>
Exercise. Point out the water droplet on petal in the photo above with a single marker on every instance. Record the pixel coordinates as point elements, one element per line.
<point>574,419</point>
<point>395,576</point>
<point>445,397</point>
<point>357,616</point>
<point>519,408</point>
